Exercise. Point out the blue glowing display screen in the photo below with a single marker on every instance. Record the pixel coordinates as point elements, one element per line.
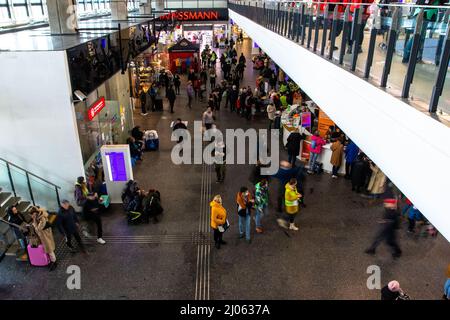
<point>117,166</point>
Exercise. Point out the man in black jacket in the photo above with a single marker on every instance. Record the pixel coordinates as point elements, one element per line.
<point>68,224</point>
<point>171,96</point>
<point>91,211</point>
<point>359,173</point>
<point>388,229</point>
<point>293,146</point>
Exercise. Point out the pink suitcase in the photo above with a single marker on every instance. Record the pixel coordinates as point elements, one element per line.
<point>37,256</point>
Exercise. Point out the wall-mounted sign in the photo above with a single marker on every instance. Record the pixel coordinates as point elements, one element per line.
<point>96,107</point>
<point>196,15</point>
<point>306,119</point>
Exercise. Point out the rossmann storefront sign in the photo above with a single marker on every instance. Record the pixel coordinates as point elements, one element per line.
<point>196,15</point>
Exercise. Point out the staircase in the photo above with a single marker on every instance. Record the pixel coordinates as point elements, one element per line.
<point>20,187</point>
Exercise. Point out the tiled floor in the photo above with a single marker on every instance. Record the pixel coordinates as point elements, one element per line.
<point>324,260</point>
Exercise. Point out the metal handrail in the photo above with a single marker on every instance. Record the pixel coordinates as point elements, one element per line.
<point>29,173</point>
<point>313,2</point>
<point>286,19</point>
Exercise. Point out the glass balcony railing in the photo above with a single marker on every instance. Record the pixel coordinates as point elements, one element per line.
<point>28,187</point>
<point>404,48</point>
<point>195,4</point>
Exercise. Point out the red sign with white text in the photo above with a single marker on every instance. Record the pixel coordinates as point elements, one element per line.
<point>96,108</point>
<point>196,15</point>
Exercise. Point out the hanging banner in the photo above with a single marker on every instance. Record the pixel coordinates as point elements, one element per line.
<point>306,119</point>
<point>324,123</point>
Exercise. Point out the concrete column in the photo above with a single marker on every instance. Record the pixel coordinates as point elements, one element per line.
<point>119,10</point>
<point>159,5</point>
<point>145,7</point>
<point>62,16</point>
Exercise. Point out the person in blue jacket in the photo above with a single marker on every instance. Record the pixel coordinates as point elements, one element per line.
<point>351,152</point>
<point>284,174</point>
<point>413,215</point>
<point>447,285</point>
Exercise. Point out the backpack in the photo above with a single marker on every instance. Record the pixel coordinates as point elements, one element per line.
<point>153,206</point>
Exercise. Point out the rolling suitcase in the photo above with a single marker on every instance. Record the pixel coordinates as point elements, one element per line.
<point>151,140</point>
<point>37,256</point>
<point>152,144</point>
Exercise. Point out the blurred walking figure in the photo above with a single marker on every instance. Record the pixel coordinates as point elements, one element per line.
<point>388,227</point>
<point>190,93</point>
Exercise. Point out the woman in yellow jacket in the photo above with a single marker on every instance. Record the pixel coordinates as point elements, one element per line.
<point>218,218</point>
<point>291,200</point>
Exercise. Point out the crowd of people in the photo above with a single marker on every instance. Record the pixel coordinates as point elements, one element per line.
<point>273,93</point>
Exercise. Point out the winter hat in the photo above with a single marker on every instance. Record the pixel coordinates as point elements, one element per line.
<point>394,286</point>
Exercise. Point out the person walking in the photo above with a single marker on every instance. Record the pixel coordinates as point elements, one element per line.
<point>220,161</point>
<point>171,96</point>
<point>212,77</point>
<point>91,212</point>
<point>190,94</point>
<point>177,83</point>
<point>336,157</point>
<point>271,114</point>
<point>315,149</point>
<point>291,203</point>
<point>44,233</point>
<point>234,95</point>
<point>218,220</point>
<point>179,125</point>
<point>68,224</point>
<point>284,175</point>
<point>261,203</point>
<point>351,152</point>
<point>208,118</point>
<point>388,227</point>
<point>143,99</point>
<point>392,291</point>
<point>152,93</point>
<point>293,146</point>
<point>244,205</point>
